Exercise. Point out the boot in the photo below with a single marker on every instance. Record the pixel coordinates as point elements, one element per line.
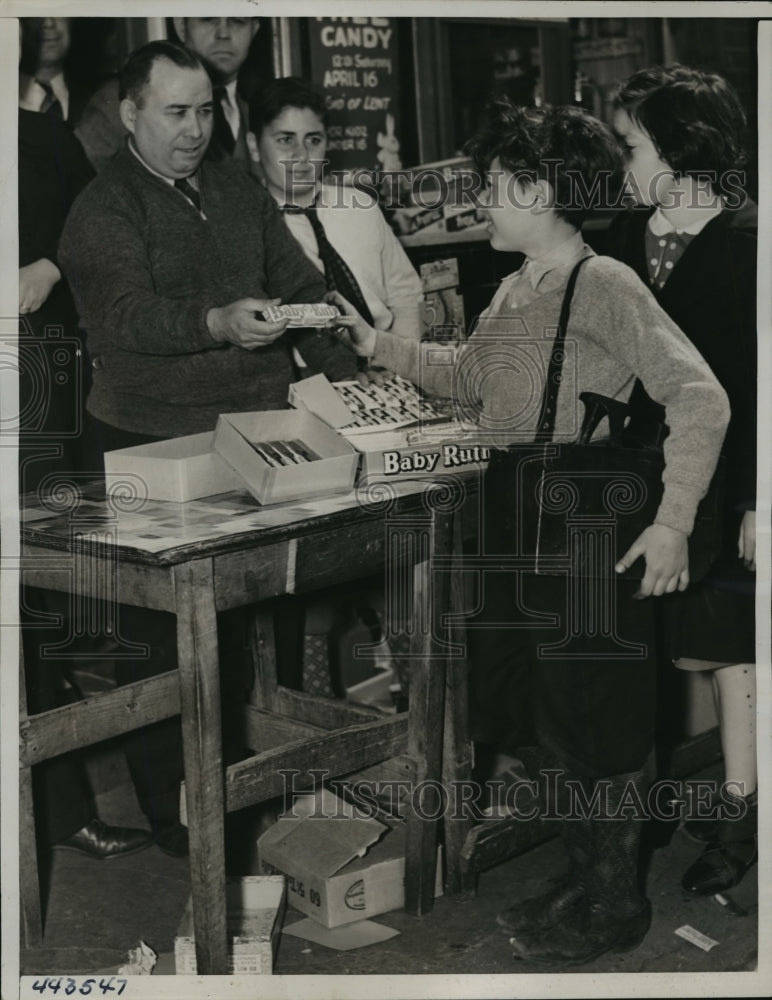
<point>539,913</point>
<point>724,863</point>
<point>613,915</point>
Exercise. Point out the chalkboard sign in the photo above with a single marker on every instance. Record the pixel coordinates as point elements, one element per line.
<point>354,60</point>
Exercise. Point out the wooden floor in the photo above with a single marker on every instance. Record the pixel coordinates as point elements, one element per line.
<point>97,911</point>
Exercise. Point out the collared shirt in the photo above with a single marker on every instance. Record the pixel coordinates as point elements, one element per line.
<point>32,95</point>
<point>665,243</point>
<point>536,276</point>
<point>193,179</point>
<point>146,165</point>
<point>660,225</point>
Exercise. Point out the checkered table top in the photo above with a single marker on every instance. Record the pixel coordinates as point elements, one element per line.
<point>67,518</point>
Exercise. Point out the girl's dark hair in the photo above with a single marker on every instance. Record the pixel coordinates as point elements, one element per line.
<point>575,152</point>
<point>287,92</point>
<point>138,67</point>
<point>695,119</point>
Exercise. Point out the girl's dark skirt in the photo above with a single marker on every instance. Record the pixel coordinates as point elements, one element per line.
<point>715,620</point>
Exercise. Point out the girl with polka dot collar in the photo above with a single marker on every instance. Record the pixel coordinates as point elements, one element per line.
<point>692,239</point>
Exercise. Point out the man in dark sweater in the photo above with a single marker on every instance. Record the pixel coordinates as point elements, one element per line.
<point>171,259</point>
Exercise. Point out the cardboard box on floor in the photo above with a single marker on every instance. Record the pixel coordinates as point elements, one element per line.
<point>179,469</point>
<point>255,910</point>
<point>393,454</point>
<point>333,472</point>
<point>339,866</point>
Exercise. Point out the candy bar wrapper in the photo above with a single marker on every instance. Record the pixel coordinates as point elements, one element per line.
<point>267,454</point>
<point>308,314</point>
<point>283,453</point>
<point>294,452</point>
<point>303,451</point>
<point>288,456</point>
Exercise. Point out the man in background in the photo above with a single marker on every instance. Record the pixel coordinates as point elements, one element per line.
<point>222,44</point>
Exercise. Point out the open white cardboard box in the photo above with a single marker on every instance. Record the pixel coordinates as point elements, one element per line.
<point>339,866</point>
<point>255,909</point>
<point>388,455</point>
<point>179,469</point>
<point>333,472</point>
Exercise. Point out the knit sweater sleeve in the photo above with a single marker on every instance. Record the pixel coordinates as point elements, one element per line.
<point>105,258</point>
<point>430,366</point>
<point>616,310</point>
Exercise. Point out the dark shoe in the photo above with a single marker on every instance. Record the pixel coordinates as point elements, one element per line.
<point>584,936</point>
<point>719,867</point>
<point>542,912</point>
<point>100,841</point>
<point>172,839</point>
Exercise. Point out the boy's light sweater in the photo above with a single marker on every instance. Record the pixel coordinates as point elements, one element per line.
<point>616,333</point>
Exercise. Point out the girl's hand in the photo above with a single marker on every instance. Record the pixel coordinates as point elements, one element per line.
<point>746,544</point>
<point>666,552</point>
<point>352,329</point>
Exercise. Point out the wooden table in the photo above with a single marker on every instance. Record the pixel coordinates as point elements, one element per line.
<point>195,560</point>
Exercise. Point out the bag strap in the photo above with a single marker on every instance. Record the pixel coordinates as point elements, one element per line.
<point>549,403</point>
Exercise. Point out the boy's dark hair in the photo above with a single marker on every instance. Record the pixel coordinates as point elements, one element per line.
<point>695,119</point>
<point>138,67</point>
<point>575,152</point>
<point>286,92</point>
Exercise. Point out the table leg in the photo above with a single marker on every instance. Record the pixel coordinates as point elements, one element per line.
<point>202,746</point>
<point>263,648</point>
<point>29,879</point>
<point>29,876</point>
<point>457,753</point>
<point>425,717</point>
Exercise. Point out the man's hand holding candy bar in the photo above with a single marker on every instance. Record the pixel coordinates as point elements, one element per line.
<point>238,323</point>
<point>252,323</point>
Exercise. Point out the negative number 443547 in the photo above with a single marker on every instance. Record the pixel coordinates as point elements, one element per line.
<point>82,987</point>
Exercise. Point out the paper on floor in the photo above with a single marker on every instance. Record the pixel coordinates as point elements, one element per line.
<point>141,961</point>
<point>695,937</point>
<point>356,935</point>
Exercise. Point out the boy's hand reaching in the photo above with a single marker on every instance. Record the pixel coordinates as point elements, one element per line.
<point>666,552</point>
<point>352,330</point>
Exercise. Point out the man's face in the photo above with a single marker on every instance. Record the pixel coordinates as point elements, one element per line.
<point>173,124</point>
<point>53,37</point>
<point>222,42</point>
